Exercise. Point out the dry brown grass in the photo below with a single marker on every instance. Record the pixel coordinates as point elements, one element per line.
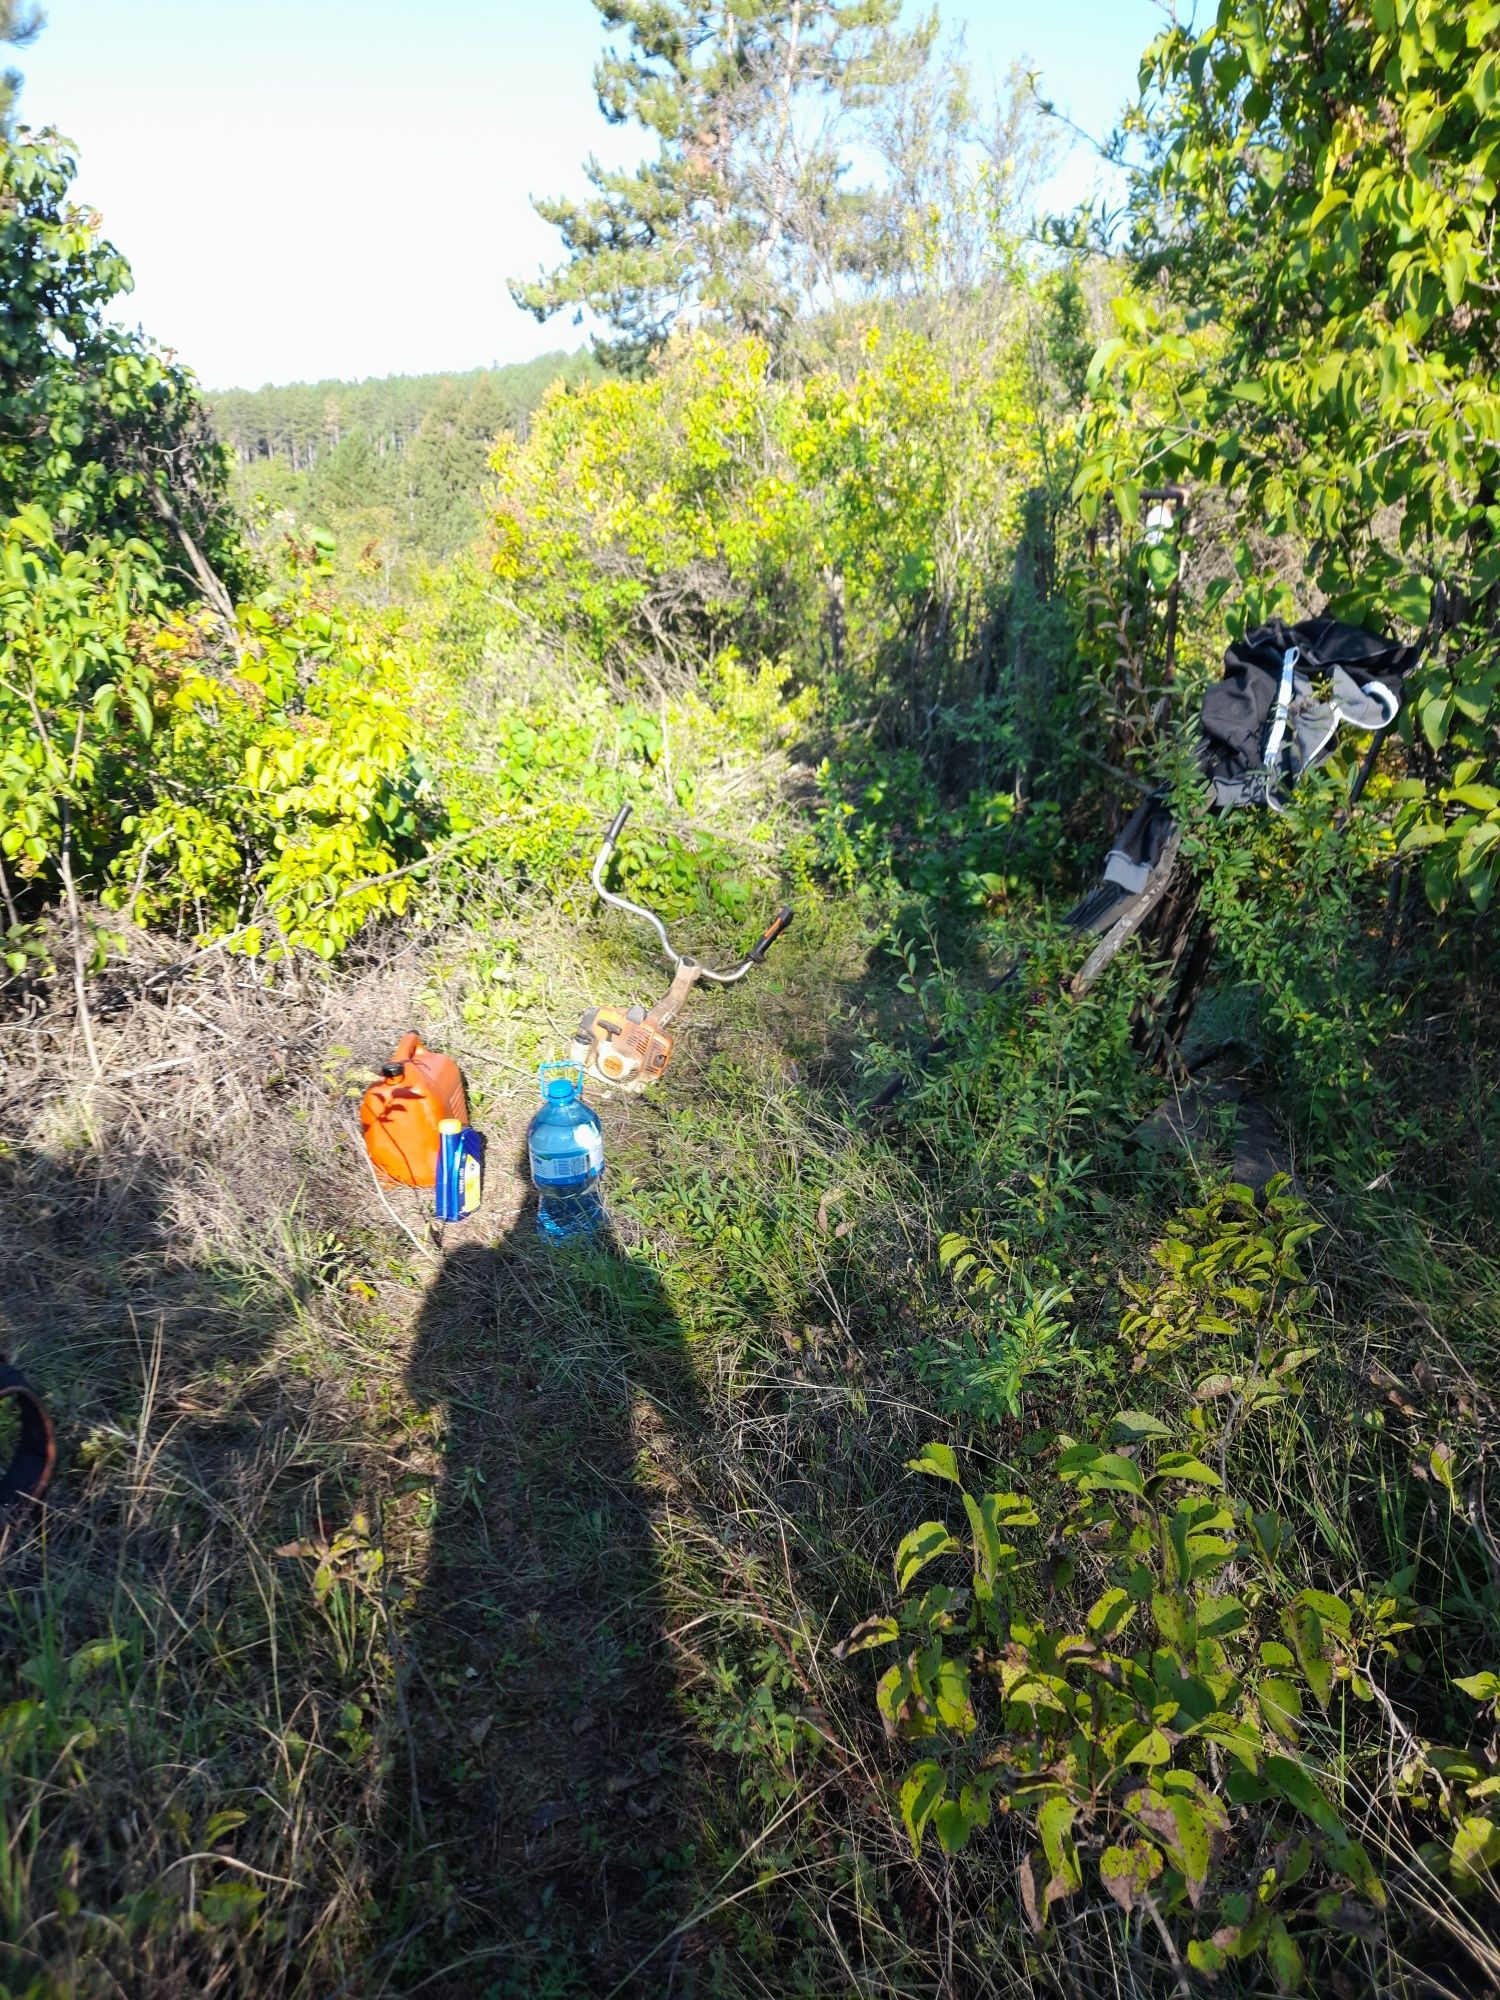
<point>372,1630</point>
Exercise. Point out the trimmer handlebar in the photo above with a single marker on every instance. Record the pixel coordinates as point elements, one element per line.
<point>770,934</point>
<point>752,958</point>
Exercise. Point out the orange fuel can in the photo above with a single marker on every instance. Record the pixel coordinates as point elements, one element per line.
<point>402,1112</point>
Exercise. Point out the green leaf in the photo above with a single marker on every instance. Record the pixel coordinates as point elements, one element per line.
<point>1440,1462</point>
<point>1483,1687</point>
<point>922,1546</point>
<point>139,703</point>
<point>1104,1469</point>
<point>1283,1957</point>
<point>1054,1823</point>
<point>1105,356</point>
<point>1135,1426</point>
<point>1128,1872</point>
<point>1352,1861</point>
<point>1333,1611</point>
<point>1182,1465</point>
<point>1304,1629</point>
<point>920,1795</point>
<point>938,1459</point>
<point>953,1245</point>
<point>990,1550</point>
<point>1111,1613</point>
<point>1192,1843</point>
<point>870,1632</point>
<point>952,1826</point>
<point>234,1903</point>
<point>1221,1617</point>
<point>1298,1788</point>
<point>1335,198</point>
<point>1476,1847</point>
<point>1281,1705</point>
<point>1153,1748</point>
<point>894,1698</point>
<point>97,1653</point>
<point>950,1696</point>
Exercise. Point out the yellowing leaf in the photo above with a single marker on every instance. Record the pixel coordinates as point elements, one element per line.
<point>922,1546</point>
<point>921,1792</point>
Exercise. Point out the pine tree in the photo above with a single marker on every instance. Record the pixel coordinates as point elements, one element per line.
<point>347,478</point>
<point>743,215</point>
<point>20,23</point>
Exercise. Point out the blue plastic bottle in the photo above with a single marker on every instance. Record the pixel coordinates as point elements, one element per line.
<point>566,1144</point>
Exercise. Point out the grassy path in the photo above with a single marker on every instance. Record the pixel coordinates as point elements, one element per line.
<point>438,1608</point>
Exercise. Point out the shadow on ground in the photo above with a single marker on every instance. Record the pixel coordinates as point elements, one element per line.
<point>540,1816</point>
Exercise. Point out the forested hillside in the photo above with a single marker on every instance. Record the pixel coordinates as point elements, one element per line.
<point>1005,1505</point>
<point>303,422</point>
<point>395,467</point>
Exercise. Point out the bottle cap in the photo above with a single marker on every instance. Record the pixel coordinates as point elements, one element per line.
<point>449,1125</point>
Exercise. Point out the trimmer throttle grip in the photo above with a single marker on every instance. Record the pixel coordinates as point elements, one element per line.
<point>771,932</point>
<point>615,825</point>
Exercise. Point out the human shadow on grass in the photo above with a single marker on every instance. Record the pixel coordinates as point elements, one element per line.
<point>540,1813</point>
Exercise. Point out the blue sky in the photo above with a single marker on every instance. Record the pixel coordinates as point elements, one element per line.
<point>311,188</point>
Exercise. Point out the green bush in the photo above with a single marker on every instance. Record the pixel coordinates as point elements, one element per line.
<point>1141,1666</point>
<point>284,781</point>
<point>846,520</point>
<point>1311,329</point>
<point>76,695</point>
<point>99,428</point>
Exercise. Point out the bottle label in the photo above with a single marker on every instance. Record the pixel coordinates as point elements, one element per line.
<point>563,1167</point>
<point>583,1163</point>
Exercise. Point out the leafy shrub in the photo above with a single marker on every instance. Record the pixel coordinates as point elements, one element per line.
<point>283,782</point>
<point>836,521</point>
<point>640,513</point>
<point>1018,1350</point>
<point>1132,1667</point>
<point>76,692</point>
<point>190,780</point>
<point>1109,1732</point>
<point>1312,330</point>
<point>1295,901</point>
<point>99,428</point>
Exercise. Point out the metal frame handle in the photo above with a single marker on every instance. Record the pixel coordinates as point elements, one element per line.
<point>675,957</point>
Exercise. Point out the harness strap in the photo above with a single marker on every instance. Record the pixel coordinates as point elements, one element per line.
<point>1277,732</point>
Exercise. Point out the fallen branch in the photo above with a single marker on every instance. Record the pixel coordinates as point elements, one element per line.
<point>1109,945</point>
